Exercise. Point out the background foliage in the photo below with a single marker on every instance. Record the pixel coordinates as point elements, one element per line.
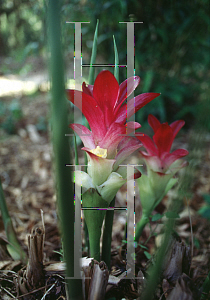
<point>171,46</point>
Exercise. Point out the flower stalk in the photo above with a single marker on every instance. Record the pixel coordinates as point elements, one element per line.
<point>94,211</point>
<point>161,167</point>
<point>140,226</point>
<point>107,144</point>
<point>108,224</point>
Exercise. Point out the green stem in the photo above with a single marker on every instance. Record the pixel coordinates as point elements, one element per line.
<point>140,226</point>
<point>107,235</point>
<point>14,247</point>
<point>75,151</point>
<point>94,240</point>
<point>94,216</point>
<point>154,270</point>
<point>85,155</point>
<point>87,244</point>
<point>151,234</point>
<point>61,149</point>
<point>94,219</point>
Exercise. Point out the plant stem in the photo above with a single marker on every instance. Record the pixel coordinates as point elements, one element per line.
<point>75,151</point>
<point>151,234</point>
<point>154,271</point>
<point>14,247</point>
<point>87,244</point>
<point>64,184</point>
<point>94,240</point>
<point>140,226</point>
<point>107,235</point>
<point>94,216</point>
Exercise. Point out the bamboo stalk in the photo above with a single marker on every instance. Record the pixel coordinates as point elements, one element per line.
<point>64,185</point>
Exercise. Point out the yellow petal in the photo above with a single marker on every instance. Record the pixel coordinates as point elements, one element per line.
<point>99,152</point>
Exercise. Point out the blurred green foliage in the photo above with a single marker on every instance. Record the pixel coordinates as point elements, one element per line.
<point>171,46</point>
<point>204,211</point>
<point>10,114</point>
<point>42,124</point>
<point>21,24</point>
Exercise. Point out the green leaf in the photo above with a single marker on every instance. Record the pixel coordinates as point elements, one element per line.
<point>157,217</point>
<point>207,198</point>
<point>15,110</point>
<point>13,252</point>
<point>172,215</point>
<point>204,211</point>
<point>147,254</point>
<point>147,195</point>
<point>170,184</point>
<point>142,246</point>
<point>148,81</point>
<point>93,56</point>
<point>116,61</point>
<point>196,243</point>
<point>206,287</point>
<point>110,187</point>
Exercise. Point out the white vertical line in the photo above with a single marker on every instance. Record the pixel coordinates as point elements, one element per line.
<point>130,69</point>
<point>77,72</point>
<point>130,221</point>
<point>77,225</point>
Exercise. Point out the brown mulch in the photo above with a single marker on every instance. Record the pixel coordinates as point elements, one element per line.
<point>27,177</point>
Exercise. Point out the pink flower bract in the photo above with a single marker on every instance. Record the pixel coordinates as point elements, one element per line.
<point>104,108</point>
<point>158,156</point>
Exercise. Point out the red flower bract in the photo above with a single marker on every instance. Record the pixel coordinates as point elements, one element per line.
<point>104,108</point>
<point>158,155</point>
